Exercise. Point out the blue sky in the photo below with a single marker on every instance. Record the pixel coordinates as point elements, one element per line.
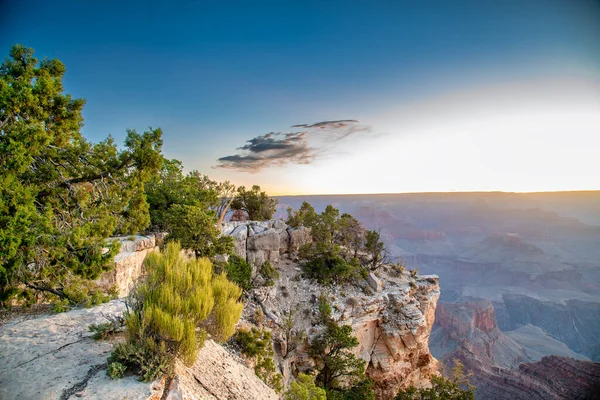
<point>425,80</point>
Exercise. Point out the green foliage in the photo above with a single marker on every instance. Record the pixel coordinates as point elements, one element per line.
<point>332,257</point>
<point>329,267</point>
<point>101,331</point>
<point>266,371</point>
<point>362,390</point>
<point>256,344</point>
<point>194,227</point>
<point>374,247</point>
<point>148,359</point>
<point>267,274</point>
<point>305,216</point>
<point>334,360</point>
<point>253,342</point>
<point>172,309</point>
<point>305,389</point>
<point>255,203</point>
<point>61,196</point>
<point>324,308</point>
<point>116,370</point>
<point>61,305</point>
<point>239,271</point>
<point>456,387</point>
<point>190,208</point>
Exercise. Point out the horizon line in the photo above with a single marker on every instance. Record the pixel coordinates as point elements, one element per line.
<point>442,192</point>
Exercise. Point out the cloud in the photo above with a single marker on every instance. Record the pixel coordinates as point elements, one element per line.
<point>337,130</point>
<point>280,148</point>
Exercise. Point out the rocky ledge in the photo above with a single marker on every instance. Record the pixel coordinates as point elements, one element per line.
<point>55,357</point>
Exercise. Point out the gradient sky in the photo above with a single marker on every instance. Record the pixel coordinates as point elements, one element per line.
<point>447,95</point>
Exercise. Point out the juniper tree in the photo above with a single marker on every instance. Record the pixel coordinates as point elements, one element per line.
<point>61,195</point>
<point>256,203</point>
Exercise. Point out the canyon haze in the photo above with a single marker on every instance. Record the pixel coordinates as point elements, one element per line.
<point>519,272</point>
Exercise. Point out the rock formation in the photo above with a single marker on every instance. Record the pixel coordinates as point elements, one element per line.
<point>55,357</point>
<point>575,323</point>
<point>128,263</point>
<point>260,241</point>
<point>472,326</point>
<point>391,316</point>
<point>468,332</point>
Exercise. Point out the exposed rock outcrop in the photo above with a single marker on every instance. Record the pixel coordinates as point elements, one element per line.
<point>575,323</point>
<point>551,378</point>
<point>392,325</point>
<point>54,357</point>
<point>472,326</point>
<point>468,332</point>
<point>260,241</point>
<point>128,263</point>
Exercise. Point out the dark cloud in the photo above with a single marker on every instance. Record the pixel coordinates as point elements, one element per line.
<point>271,149</point>
<point>335,130</point>
<point>328,124</point>
<point>279,148</point>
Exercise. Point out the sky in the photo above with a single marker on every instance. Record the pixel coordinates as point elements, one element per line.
<point>331,97</point>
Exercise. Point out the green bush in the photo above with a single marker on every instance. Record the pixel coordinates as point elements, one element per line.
<point>331,268</point>
<point>253,342</point>
<point>116,370</point>
<point>171,310</point>
<point>268,274</point>
<point>256,203</point>
<point>239,271</point>
<point>362,390</point>
<point>305,389</point>
<point>456,387</point>
<point>256,344</point>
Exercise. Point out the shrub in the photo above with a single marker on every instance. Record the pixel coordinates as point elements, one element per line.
<point>330,268</point>
<point>106,329</point>
<point>171,310</point>
<point>252,342</point>
<point>268,274</point>
<point>256,344</point>
<point>455,387</point>
<point>239,271</point>
<point>305,389</point>
<point>256,203</point>
<point>116,370</point>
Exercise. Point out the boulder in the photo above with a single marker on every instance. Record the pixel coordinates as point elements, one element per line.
<point>374,282</point>
<point>298,238</point>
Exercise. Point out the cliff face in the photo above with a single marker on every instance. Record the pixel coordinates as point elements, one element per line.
<point>551,378</point>
<point>468,332</point>
<point>391,316</point>
<point>576,323</point>
<point>472,327</point>
<point>393,331</point>
<point>55,357</point>
<point>128,263</point>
